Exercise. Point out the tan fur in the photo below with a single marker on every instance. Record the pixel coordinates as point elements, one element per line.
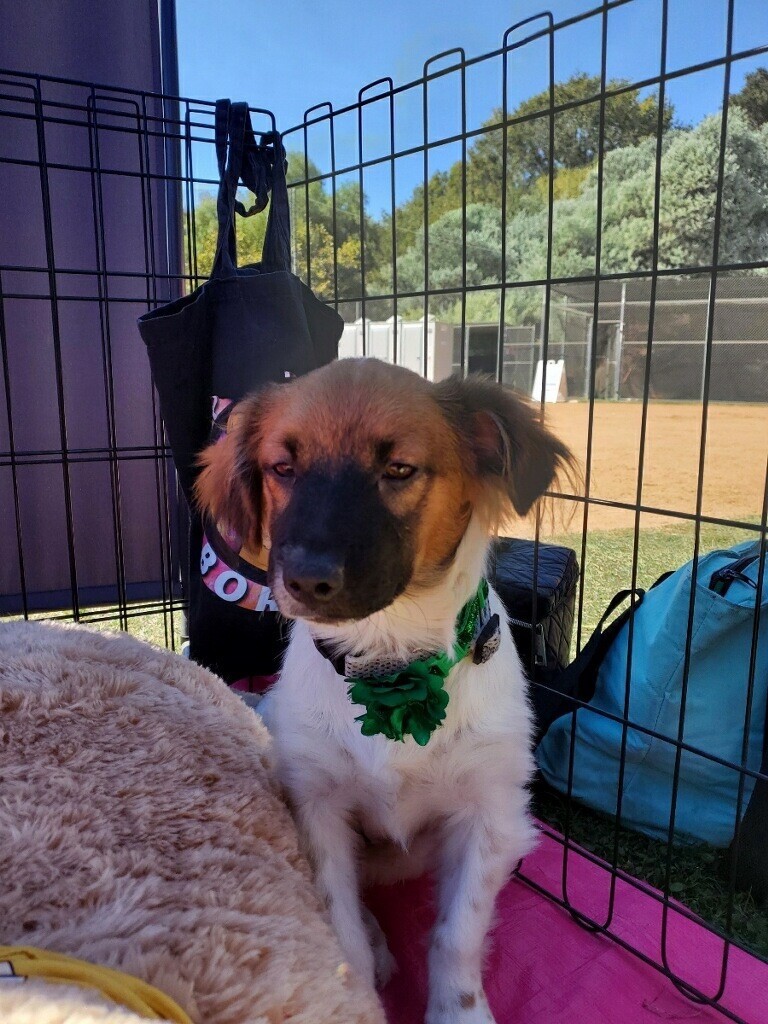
<point>229,486</point>
<point>479,447</point>
<point>138,829</point>
<point>328,416</point>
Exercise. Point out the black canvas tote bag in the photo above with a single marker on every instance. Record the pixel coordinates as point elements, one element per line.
<point>244,327</point>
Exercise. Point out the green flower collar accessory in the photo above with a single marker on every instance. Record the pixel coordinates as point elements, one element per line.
<point>411,699</point>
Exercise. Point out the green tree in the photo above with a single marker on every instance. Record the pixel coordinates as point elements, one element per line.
<point>689,173</point>
<point>200,233</point>
<point>753,98</point>
<point>250,235</point>
<point>628,118</point>
<point>483,254</point>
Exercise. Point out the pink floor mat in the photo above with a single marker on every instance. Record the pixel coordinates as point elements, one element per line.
<point>543,968</point>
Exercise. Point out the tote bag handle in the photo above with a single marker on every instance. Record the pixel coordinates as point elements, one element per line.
<point>261,169</point>
<point>579,679</point>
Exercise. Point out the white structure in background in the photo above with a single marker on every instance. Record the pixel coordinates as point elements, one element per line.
<point>556,383</point>
<point>351,341</point>
<point>380,343</point>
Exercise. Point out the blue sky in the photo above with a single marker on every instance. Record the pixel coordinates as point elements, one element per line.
<point>289,56</point>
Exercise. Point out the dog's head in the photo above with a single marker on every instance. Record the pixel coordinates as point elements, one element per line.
<point>362,478</point>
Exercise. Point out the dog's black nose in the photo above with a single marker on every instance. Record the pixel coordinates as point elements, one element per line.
<point>311,576</point>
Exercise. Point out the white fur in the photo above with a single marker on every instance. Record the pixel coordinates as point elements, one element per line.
<point>459,805</point>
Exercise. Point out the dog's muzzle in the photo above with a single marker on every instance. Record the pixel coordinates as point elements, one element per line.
<point>337,553</point>
<point>313,578</point>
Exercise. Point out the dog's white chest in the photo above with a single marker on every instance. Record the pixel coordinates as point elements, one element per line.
<point>396,789</point>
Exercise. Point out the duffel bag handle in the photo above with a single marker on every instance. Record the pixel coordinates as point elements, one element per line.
<point>596,648</point>
<point>580,677</point>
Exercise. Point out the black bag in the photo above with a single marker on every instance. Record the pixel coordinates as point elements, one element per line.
<point>541,617</point>
<point>243,328</point>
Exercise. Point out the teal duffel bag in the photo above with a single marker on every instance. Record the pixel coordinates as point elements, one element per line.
<point>720,712</point>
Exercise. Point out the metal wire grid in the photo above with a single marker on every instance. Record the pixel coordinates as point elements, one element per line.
<point>740,348</point>
<point>384,92</point>
<point>25,99</point>
<point>150,141</point>
<point>182,128</point>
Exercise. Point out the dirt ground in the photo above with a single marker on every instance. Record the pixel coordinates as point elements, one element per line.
<point>734,467</point>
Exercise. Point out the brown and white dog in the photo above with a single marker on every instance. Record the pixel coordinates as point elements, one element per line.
<point>376,493</point>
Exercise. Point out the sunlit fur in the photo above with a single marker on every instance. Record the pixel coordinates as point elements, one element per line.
<point>370,808</point>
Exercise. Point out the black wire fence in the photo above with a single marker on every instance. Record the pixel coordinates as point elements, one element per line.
<point>108,212</point>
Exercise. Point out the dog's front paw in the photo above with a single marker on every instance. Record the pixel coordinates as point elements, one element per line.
<point>459,1008</point>
<point>361,959</point>
<point>384,963</point>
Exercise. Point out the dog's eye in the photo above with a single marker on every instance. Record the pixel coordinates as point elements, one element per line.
<point>399,471</point>
<point>282,469</point>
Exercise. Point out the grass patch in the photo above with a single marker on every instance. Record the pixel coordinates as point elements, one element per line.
<point>156,628</point>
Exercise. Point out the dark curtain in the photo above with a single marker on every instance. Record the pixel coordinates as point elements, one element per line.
<point>88,236</point>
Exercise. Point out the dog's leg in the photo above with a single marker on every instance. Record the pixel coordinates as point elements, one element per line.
<point>480,850</point>
<point>384,962</point>
<point>333,849</point>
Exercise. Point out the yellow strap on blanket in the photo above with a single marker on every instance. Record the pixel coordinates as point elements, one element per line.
<point>123,989</point>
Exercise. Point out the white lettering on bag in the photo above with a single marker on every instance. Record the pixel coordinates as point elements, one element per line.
<point>266,601</point>
<point>207,559</point>
<point>237,592</point>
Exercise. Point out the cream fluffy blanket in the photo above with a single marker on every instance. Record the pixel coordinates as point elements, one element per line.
<point>138,829</point>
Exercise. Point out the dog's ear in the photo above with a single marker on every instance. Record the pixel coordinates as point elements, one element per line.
<point>505,445</point>
<point>229,486</point>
